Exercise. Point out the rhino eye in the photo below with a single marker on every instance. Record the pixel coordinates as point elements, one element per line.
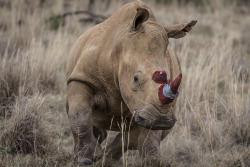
<point>135,78</point>
<point>138,81</point>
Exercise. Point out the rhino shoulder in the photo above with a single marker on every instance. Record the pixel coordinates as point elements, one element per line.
<point>82,55</point>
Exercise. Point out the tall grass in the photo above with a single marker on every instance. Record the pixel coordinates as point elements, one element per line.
<point>213,110</point>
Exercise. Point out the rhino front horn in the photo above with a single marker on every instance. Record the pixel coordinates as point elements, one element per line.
<point>168,92</point>
<point>175,84</point>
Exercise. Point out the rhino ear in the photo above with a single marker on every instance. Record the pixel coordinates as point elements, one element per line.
<point>140,17</point>
<point>179,30</point>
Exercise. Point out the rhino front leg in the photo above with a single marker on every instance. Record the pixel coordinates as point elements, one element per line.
<point>114,146</point>
<point>79,99</point>
<point>149,146</point>
<point>100,134</point>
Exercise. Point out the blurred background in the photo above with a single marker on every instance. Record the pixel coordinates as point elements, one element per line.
<point>213,109</point>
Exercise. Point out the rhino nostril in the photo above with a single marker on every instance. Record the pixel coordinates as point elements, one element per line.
<point>135,78</point>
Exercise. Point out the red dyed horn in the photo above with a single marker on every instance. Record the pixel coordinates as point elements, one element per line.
<point>160,77</point>
<point>162,97</point>
<point>175,84</point>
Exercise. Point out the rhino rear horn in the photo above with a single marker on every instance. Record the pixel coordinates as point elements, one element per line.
<point>160,77</point>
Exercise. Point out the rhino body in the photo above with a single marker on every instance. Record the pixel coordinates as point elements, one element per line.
<point>109,81</point>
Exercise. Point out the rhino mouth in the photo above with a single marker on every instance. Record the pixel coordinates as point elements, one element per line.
<point>150,118</point>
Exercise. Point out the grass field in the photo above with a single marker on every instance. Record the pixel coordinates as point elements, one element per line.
<point>213,110</point>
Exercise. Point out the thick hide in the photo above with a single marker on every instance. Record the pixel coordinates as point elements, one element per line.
<point>114,73</point>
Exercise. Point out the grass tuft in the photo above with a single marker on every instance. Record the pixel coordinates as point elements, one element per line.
<point>24,131</point>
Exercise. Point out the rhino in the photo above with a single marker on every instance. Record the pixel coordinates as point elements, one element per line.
<point>122,76</point>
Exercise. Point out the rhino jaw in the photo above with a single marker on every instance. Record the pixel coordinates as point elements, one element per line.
<point>151,119</point>
<point>154,125</point>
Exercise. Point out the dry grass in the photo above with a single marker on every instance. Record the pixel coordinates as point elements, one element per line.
<point>213,110</point>
<point>22,132</point>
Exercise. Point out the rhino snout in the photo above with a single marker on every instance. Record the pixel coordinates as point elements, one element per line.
<point>152,119</point>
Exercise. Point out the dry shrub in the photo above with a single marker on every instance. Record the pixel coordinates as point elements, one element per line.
<point>24,132</point>
<point>32,136</point>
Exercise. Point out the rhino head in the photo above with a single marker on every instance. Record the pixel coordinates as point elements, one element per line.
<point>143,68</point>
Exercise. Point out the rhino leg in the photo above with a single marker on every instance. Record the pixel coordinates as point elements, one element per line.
<point>114,147</point>
<point>146,141</point>
<point>99,134</point>
<point>149,146</point>
<point>86,147</point>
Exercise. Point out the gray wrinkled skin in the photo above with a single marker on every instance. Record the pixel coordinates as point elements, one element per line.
<point>109,76</point>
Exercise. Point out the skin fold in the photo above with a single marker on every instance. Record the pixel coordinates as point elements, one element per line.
<point>109,79</point>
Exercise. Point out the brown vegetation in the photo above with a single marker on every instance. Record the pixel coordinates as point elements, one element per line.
<point>213,107</point>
